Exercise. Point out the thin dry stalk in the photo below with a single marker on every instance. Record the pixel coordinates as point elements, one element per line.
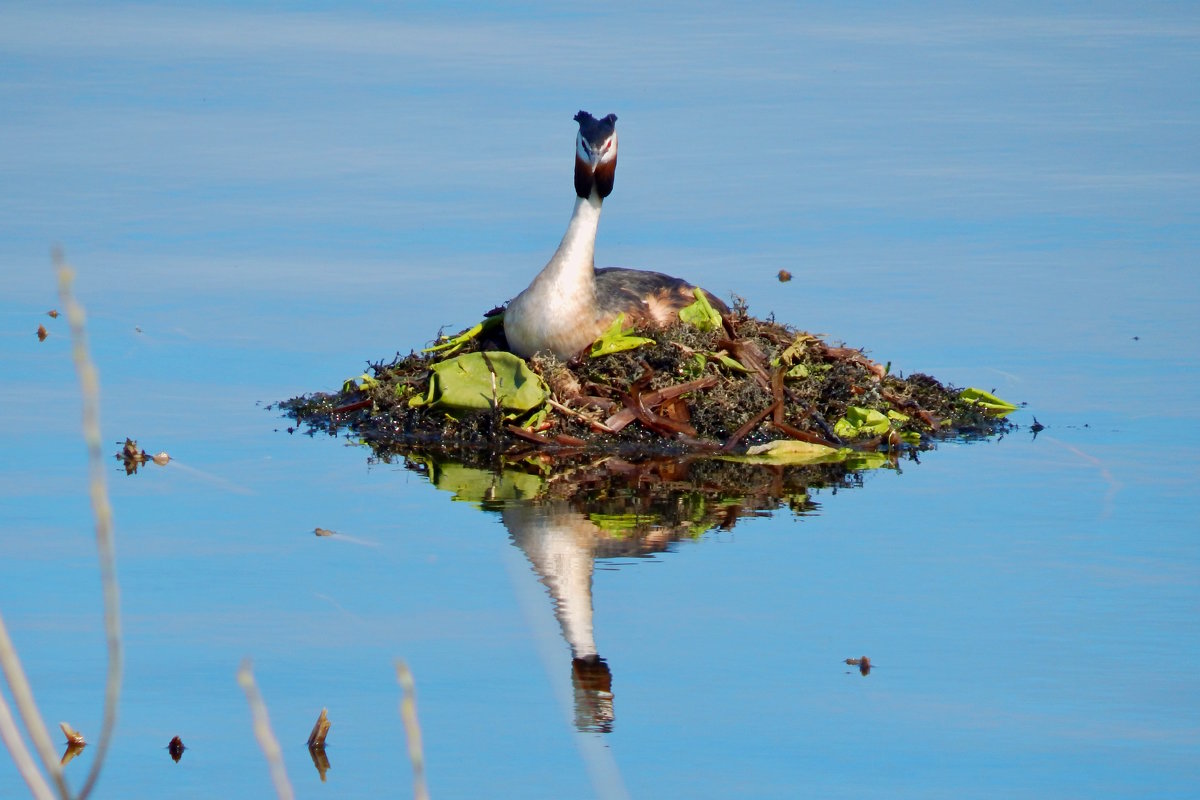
<point>89,385</point>
<point>20,755</point>
<point>22,693</point>
<point>412,729</point>
<point>262,732</point>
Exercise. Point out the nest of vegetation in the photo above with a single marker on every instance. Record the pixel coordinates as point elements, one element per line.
<point>727,391</point>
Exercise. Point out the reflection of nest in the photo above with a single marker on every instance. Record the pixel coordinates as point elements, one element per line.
<point>647,505</point>
<point>629,509</point>
<point>746,383</point>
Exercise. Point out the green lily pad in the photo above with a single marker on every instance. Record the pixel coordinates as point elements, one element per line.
<point>479,486</point>
<point>790,452</point>
<point>479,381</point>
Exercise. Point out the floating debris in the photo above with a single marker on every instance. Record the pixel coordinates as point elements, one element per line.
<point>69,754</point>
<point>320,730</point>
<point>784,276</point>
<point>73,736</point>
<point>863,664</point>
<point>316,742</point>
<point>133,457</point>
<point>41,333</point>
<point>320,760</point>
<point>176,748</point>
<point>75,743</point>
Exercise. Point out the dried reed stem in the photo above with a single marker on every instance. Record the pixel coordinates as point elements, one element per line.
<point>262,732</point>
<point>89,386</point>
<point>16,748</point>
<point>412,729</point>
<point>14,674</point>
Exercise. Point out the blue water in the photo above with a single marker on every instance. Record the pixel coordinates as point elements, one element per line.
<point>259,201</point>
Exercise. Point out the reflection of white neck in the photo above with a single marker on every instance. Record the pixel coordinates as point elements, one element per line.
<point>559,543</point>
<point>556,310</point>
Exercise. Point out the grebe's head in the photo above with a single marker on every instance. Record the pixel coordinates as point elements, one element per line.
<point>595,154</point>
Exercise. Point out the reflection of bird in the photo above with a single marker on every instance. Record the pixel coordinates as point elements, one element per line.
<point>570,302</point>
<point>561,544</point>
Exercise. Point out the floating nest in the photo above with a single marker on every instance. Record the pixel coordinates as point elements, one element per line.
<point>735,388</point>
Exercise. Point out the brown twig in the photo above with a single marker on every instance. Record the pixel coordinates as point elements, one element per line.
<point>595,425</point>
<point>651,399</point>
<point>803,436</point>
<point>346,409</point>
<point>750,425</point>
<point>529,436</point>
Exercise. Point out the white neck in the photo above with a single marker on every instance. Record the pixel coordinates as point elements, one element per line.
<point>557,311</point>
<point>575,259</point>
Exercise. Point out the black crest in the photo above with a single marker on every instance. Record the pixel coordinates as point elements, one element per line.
<point>595,130</point>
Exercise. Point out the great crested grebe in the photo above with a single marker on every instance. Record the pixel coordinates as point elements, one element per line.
<point>571,303</point>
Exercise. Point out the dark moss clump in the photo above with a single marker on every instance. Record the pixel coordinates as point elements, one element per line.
<point>746,383</point>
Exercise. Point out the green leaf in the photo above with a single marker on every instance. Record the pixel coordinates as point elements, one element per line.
<point>478,381</point>
<point>616,339</point>
<point>700,314</point>
<point>793,351</point>
<point>360,384</point>
<point>618,525</point>
<point>861,422</point>
<point>988,401</point>
<point>455,343</point>
<point>729,362</point>
<point>798,371</point>
<point>860,461</point>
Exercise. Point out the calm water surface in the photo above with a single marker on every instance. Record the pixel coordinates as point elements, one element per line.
<point>260,201</point>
